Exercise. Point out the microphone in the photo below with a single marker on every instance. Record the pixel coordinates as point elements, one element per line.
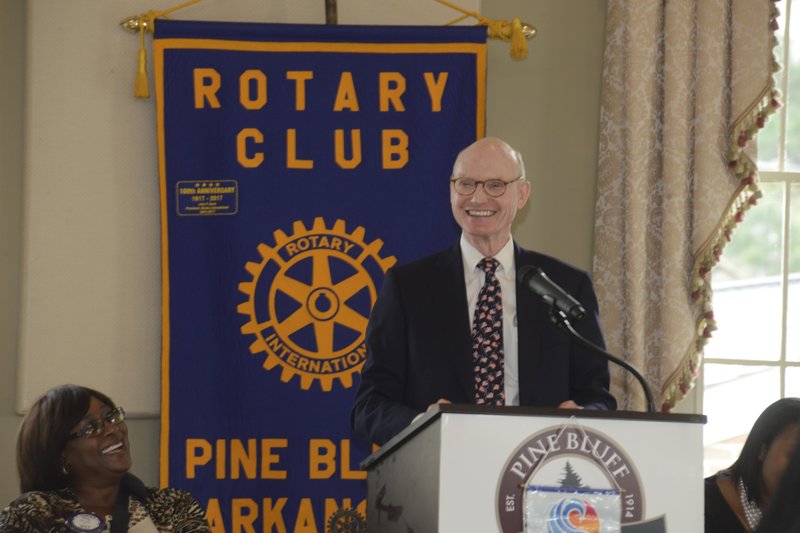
<point>537,281</point>
<point>562,308</point>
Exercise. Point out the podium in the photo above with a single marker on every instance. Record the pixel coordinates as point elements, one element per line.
<point>467,468</point>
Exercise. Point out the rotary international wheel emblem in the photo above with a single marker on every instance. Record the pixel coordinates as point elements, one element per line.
<point>309,300</point>
<point>347,521</point>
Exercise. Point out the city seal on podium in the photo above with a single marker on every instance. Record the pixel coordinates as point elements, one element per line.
<point>569,461</point>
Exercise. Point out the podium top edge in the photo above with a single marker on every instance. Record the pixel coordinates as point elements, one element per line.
<point>561,413</point>
<point>550,412</point>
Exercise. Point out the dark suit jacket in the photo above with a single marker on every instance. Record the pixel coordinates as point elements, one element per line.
<point>419,345</point>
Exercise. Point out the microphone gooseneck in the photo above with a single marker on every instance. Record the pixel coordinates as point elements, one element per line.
<point>563,307</point>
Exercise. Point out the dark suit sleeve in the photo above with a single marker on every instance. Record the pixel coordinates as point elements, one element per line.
<point>378,410</point>
<point>589,375</point>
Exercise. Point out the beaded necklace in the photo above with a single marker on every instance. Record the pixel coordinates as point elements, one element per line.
<point>751,511</point>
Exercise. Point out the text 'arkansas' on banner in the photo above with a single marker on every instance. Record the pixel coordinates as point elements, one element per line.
<point>297,165</point>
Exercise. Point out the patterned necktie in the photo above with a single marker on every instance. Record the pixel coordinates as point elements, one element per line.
<point>487,338</point>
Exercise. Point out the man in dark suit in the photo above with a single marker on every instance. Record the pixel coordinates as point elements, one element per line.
<point>449,328</point>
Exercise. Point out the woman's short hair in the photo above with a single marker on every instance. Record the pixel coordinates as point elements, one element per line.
<point>44,434</point>
<point>769,425</point>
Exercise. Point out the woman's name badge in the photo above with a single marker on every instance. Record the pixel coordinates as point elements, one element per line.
<point>86,523</point>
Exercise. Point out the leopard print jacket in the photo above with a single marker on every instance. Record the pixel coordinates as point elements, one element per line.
<point>170,510</point>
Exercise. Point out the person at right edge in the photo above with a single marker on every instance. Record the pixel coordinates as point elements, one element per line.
<point>457,326</point>
<point>736,498</point>
<point>782,515</point>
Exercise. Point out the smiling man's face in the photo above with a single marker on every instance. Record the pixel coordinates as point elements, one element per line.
<point>486,220</point>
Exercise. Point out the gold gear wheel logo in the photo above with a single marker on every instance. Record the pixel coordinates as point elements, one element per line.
<point>347,521</point>
<point>309,301</point>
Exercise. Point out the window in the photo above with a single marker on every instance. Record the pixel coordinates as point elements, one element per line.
<point>753,358</point>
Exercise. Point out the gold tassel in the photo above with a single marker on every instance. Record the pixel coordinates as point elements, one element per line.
<point>517,31</point>
<point>141,87</point>
<point>519,44</point>
<point>146,23</point>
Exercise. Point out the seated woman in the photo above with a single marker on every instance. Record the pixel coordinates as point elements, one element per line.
<point>735,498</point>
<point>73,459</point>
<point>782,515</point>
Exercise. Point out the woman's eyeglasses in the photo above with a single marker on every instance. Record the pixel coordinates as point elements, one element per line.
<point>95,427</point>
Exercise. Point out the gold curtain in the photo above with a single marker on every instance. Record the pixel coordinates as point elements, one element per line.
<point>686,85</point>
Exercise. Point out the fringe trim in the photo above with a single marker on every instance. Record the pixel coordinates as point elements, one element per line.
<point>744,129</point>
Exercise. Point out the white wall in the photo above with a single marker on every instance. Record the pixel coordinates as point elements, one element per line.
<point>85,225</point>
<point>548,108</point>
<point>12,41</point>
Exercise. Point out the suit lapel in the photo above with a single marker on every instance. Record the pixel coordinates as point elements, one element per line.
<point>455,339</point>
<point>530,318</point>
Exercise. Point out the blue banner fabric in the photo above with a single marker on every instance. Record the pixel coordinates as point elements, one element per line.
<point>297,164</point>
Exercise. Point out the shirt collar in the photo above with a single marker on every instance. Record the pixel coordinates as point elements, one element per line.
<point>472,257</point>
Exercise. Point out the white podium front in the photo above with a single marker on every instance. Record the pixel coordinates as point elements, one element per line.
<point>466,468</point>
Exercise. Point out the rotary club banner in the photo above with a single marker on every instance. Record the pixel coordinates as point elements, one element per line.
<point>297,164</point>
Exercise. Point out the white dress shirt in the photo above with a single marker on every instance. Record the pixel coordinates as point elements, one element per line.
<point>507,276</point>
